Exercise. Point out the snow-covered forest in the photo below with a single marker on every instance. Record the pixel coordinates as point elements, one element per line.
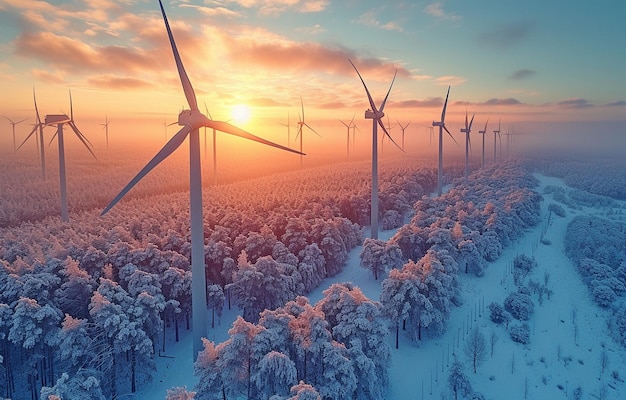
<point>91,308</point>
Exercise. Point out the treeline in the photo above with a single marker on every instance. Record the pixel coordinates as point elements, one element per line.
<point>596,246</point>
<point>84,307</point>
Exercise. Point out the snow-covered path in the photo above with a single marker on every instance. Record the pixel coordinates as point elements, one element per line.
<point>551,366</point>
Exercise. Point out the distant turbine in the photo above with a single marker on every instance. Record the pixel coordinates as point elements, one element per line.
<point>13,125</point>
<point>301,124</point>
<point>402,128</point>
<point>354,128</point>
<point>430,143</point>
<point>484,133</point>
<point>288,125</point>
<point>59,120</point>
<point>348,135</point>
<point>496,135</point>
<point>468,143</point>
<point>382,139</point>
<point>442,126</point>
<point>375,115</point>
<point>105,126</point>
<point>191,121</point>
<point>39,125</point>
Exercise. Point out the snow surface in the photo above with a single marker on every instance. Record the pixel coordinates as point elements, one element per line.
<point>553,365</point>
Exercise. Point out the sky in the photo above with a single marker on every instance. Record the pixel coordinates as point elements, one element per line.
<point>525,63</point>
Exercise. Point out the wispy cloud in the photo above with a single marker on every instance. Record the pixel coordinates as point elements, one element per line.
<point>575,103</point>
<point>510,101</point>
<point>116,82</point>
<point>312,30</point>
<point>213,11</point>
<point>619,103</point>
<point>521,74</point>
<point>436,10</point>
<point>276,7</point>
<point>450,80</point>
<point>47,76</point>
<point>430,102</point>
<point>506,36</point>
<point>370,19</point>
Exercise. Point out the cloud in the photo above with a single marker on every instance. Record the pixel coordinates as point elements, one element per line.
<point>213,11</point>
<point>312,30</point>
<point>47,76</point>
<point>521,74</point>
<point>619,103</point>
<point>450,80</point>
<point>264,102</point>
<point>506,36</point>
<point>575,103</point>
<point>501,102</point>
<point>116,82</point>
<point>436,10</point>
<point>427,103</point>
<point>369,19</point>
<point>276,7</point>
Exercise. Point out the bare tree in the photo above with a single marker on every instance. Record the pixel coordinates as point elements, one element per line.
<point>476,347</point>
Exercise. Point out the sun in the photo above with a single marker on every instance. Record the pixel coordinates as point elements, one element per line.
<point>240,113</point>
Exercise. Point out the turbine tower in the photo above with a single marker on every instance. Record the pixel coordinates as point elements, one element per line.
<point>402,128</point>
<point>468,143</point>
<point>301,124</point>
<point>191,121</point>
<point>496,135</point>
<point>484,133</point>
<point>38,127</point>
<point>348,135</point>
<point>375,115</point>
<point>13,123</point>
<point>59,120</point>
<point>442,126</point>
<point>105,126</point>
<point>288,125</point>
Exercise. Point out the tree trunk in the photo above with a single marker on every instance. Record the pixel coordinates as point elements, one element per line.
<point>397,332</point>
<point>132,372</point>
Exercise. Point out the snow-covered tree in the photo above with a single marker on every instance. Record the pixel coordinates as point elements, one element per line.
<point>476,347</point>
<point>210,385</point>
<point>304,391</point>
<point>380,256</point>
<point>520,305</point>
<point>459,383</point>
<point>82,385</point>
<point>274,375</point>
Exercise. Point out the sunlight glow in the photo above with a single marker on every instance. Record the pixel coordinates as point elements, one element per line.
<point>240,113</point>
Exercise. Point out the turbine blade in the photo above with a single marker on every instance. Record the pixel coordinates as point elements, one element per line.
<point>314,131</point>
<point>466,125</point>
<point>302,104</point>
<point>53,136</point>
<point>20,121</point>
<point>445,105</point>
<point>36,109</point>
<point>369,96</point>
<point>446,129</point>
<point>83,139</point>
<point>233,130</point>
<point>486,125</point>
<point>28,137</point>
<point>352,120</point>
<point>168,149</point>
<point>382,106</point>
<point>299,131</point>
<point>71,107</point>
<point>184,79</point>
<point>380,123</point>
<point>471,122</point>
<point>469,141</point>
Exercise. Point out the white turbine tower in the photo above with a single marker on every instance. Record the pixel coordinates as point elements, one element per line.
<point>484,133</point>
<point>442,126</point>
<point>468,143</point>
<point>348,135</point>
<point>496,135</point>
<point>13,123</point>
<point>301,124</point>
<point>375,115</point>
<point>105,126</point>
<point>37,128</point>
<point>59,120</point>
<point>403,128</point>
<point>191,121</point>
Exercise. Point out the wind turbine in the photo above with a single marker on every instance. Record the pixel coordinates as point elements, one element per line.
<point>13,123</point>
<point>39,125</point>
<point>288,125</point>
<point>484,133</point>
<point>375,115</point>
<point>382,139</point>
<point>354,128</point>
<point>301,124</point>
<point>105,126</point>
<point>442,126</point>
<point>59,120</point>
<point>468,143</point>
<point>496,135</point>
<point>430,143</point>
<point>348,135</point>
<point>191,121</point>
<point>402,128</point>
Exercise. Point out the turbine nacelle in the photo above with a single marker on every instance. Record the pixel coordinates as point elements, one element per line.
<point>369,114</point>
<point>464,130</point>
<point>55,119</point>
<point>438,123</point>
<point>193,118</point>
